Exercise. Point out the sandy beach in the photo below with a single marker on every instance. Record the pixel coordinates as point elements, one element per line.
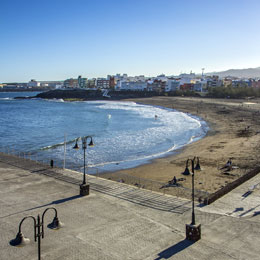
<point>234,133</point>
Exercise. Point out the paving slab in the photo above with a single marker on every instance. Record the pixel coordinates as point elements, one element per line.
<point>244,201</point>
<point>116,221</point>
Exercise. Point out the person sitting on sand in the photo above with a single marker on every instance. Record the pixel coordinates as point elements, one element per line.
<point>228,165</point>
<point>173,181</point>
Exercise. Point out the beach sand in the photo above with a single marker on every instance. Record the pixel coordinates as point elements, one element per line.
<point>234,133</point>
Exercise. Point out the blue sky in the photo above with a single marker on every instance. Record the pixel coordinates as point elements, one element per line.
<point>59,39</point>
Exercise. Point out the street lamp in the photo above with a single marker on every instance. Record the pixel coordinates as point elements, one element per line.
<point>84,188</point>
<point>193,231</point>
<point>21,240</point>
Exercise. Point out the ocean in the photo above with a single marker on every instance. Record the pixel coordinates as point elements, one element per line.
<point>125,134</point>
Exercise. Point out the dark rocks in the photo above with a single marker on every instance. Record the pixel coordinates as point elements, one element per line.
<point>71,94</point>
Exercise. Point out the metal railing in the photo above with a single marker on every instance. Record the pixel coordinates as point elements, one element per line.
<point>142,183</point>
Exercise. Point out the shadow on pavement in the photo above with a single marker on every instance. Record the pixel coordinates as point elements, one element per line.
<point>55,202</point>
<point>256,213</point>
<point>246,194</point>
<point>238,209</point>
<point>175,249</point>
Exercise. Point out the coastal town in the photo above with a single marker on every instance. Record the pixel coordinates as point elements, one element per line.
<point>126,215</point>
<point>129,130</point>
<point>122,82</point>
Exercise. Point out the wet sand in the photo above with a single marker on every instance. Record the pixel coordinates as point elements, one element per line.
<point>234,133</point>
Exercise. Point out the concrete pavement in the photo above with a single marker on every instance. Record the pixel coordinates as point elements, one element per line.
<point>117,221</point>
<point>244,201</point>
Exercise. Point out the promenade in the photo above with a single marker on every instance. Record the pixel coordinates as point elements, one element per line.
<point>118,221</point>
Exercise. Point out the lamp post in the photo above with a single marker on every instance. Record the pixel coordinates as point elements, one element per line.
<point>84,188</point>
<point>193,231</point>
<point>38,224</point>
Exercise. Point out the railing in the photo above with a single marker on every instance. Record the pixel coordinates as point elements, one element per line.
<point>165,188</point>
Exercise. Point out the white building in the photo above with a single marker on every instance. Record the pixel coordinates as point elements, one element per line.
<point>140,78</point>
<point>131,85</point>
<point>200,86</point>
<point>187,76</point>
<point>161,77</point>
<point>33,83</point>
<point>172,85</point>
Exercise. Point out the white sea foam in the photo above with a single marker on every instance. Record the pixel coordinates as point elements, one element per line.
<point>169,131</point>
<point>124,133</point>
<point>55,100</point>
<point>139,158</point>
<point>7,98</point>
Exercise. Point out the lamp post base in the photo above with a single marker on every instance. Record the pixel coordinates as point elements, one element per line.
<point>84,189</point>
<point>193,232</point>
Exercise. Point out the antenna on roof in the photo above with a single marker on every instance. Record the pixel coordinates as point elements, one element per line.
<point>202,74</point>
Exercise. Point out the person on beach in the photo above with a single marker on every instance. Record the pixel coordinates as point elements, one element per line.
<point>228,165</point>
<point>173,181</point>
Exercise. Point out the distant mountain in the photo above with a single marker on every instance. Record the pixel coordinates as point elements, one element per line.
<point>239,73</point>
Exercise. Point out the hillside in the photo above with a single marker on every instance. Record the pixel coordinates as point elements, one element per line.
<point>239,73</point>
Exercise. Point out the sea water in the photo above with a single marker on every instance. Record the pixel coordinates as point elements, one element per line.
<point>125,134</point>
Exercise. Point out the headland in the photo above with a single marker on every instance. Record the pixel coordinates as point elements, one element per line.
<point>83,94</point>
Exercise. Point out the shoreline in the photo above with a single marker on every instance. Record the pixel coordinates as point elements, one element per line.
<point>226,138</point>
<point>234,132</point>
<point>148,159</point>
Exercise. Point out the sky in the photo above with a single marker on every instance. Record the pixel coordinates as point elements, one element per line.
<point>60,39</point>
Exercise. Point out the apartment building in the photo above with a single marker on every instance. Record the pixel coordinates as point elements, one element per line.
<point>172,85</point>
<point>71,83</point>
<point>132,85</point>
<point>102,83</point>
<point>34,84</point>
<point>156,85</point>
<point>82,82</point>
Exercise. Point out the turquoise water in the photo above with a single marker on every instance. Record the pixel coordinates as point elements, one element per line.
<point>126,134</point>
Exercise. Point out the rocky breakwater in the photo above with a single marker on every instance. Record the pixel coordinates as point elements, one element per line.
<point>82,94</point>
